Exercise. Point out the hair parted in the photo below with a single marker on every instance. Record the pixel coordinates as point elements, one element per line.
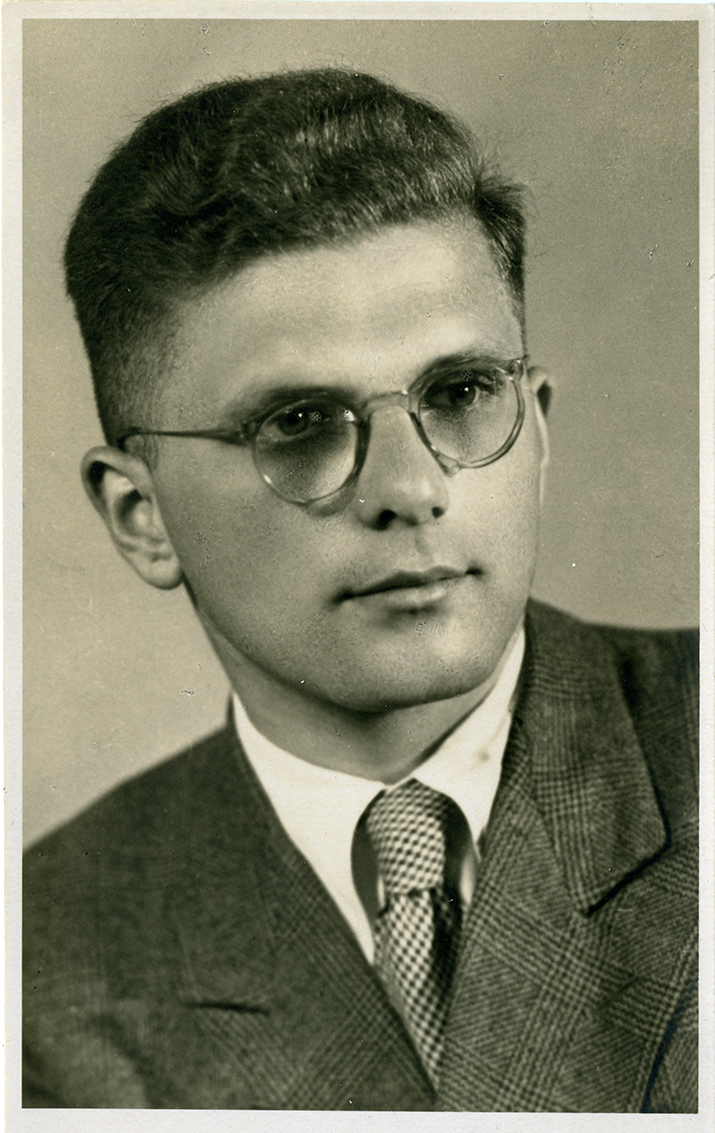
<point>242,168</point>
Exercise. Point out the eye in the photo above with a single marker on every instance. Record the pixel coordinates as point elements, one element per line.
<point>304,420</point>
<point>461,389</point>
<point>296,420</point>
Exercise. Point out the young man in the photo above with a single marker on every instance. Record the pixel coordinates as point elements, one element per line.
<point>443,855</point>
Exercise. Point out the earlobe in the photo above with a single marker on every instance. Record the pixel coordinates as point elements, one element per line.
<point>121,488</point>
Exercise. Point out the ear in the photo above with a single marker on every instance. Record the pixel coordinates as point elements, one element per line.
<point>121,488</point>
<point>542,385</point>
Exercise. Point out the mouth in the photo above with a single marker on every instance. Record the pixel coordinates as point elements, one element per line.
<point>411,589</point>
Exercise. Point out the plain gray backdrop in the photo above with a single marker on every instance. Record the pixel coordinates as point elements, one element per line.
<point>599,119</point>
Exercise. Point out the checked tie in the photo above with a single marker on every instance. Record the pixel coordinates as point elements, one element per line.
<point>417,930</point>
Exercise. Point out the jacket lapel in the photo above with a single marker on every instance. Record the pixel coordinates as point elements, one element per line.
<point>291,1010</point>
<point>561,999</point>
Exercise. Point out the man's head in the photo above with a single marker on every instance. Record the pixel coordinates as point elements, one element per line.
<point>302,235</point>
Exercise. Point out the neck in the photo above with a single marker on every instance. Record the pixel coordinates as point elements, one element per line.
<point>382,746</point>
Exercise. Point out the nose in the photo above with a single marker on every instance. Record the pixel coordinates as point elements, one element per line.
<point>400,479</point>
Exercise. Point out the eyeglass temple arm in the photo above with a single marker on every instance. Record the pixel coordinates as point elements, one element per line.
<point>235,435</point>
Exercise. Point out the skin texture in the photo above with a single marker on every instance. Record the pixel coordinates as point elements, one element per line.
<point>347,677</point>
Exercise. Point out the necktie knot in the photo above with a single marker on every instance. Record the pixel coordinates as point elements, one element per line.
<point>407,829</point>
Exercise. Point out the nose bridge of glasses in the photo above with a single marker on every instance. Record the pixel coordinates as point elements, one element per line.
<point>395,400</point>
<point>400,398</point>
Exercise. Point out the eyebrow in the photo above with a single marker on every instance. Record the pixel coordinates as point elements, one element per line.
<point>252,403</point>
<point>465,358</point>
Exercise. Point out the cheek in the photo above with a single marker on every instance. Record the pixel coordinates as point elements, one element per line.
<point>210,522</point>
<point>505,494</point>
<point>242,549</point>
<point>500,509</point>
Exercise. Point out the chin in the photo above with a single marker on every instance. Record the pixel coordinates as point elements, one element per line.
<point>412,681</point>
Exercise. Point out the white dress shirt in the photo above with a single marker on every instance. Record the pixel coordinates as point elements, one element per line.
<point>320,808</point>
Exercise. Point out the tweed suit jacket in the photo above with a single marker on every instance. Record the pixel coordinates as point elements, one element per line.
<point>181,953</point>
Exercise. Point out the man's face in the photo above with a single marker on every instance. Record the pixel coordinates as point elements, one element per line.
<point>314,596</point>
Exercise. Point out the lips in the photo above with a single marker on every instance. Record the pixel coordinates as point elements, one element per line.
<point>408,580</point>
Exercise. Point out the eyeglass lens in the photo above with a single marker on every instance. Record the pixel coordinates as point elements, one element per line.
<point>308,450</point>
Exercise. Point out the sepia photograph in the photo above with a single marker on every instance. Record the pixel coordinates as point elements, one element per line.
<point>360,381</point>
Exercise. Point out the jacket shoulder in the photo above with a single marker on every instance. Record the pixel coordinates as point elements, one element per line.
<point>657,674</point>
<point>139,820</point>
<point>650,662</point>
<point>673,647</point>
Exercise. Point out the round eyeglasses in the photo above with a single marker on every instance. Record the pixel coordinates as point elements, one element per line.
<point>468,413</point>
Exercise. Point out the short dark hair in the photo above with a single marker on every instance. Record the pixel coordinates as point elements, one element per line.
<point>242,168</point>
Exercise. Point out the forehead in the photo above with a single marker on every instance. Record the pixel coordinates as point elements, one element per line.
<point>368,314</point>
